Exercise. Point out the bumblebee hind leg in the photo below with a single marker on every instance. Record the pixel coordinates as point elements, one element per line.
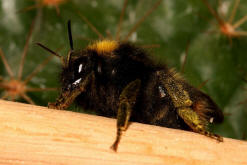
<point>196,123</point>
<point>126,102</point>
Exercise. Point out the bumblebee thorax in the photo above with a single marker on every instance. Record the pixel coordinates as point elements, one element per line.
<point>104,46</point>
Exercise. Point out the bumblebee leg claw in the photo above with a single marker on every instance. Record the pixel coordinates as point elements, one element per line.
<point>115,144</point>
<point>212,135</point>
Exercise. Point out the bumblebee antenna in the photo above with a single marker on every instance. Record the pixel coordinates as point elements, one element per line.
<point>52,52</point>
<point>70,43</point>
<point>70,36</point>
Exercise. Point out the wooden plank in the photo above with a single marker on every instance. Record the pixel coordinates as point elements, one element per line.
<point>37,135</point>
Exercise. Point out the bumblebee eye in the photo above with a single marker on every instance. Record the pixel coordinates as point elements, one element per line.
<point>80,68</point>
<point>77,81</point>
<point>162,91</point>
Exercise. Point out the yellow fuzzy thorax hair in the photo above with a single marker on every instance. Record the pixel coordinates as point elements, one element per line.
<point>105,46</point>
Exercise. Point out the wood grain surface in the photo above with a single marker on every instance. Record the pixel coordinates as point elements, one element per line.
<point>37,135</point>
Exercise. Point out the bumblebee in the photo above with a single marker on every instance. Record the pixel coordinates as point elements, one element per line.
<point>119,79</point>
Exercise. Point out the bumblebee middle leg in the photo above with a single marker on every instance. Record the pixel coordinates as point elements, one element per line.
<point>196,123</point>
<point>126,102</point>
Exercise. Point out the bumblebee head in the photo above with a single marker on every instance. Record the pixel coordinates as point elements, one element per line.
<point>75,66</point>
<point>80,64</point>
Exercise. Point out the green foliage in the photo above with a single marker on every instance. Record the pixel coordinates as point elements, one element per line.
<point>211,56</point>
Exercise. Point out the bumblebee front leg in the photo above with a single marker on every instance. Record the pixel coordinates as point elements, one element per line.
<point>67,97</point>
<point>126,102</point>
<point>197,124</point>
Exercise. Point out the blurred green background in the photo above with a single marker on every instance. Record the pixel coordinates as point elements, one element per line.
<point>173,25</point>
